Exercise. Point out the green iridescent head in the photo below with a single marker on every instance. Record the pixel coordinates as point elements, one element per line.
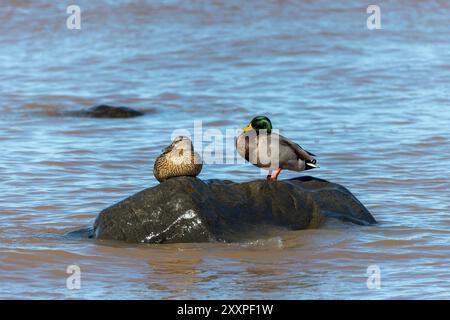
<point>259,123</point>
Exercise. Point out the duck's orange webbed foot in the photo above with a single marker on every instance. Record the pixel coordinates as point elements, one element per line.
<point>275,176</point>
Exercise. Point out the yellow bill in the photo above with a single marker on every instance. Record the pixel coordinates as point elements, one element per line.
<point>247,128</point>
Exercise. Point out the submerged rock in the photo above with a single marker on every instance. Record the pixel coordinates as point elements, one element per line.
<point>105,111</point>
<point>187,209</point>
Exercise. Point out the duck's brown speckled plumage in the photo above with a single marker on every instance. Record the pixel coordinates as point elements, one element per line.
<point>178,159</point>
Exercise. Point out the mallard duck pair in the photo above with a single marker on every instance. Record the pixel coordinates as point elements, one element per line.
<point>256,143</point>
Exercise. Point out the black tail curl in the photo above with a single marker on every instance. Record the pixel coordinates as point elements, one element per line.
<point>310,164</point>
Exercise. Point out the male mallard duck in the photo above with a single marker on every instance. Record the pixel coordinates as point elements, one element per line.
<point>267,150</point>
<point>178,159</point>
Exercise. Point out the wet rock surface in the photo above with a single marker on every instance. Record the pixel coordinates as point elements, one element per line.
<point>187,209</point>
<point>106,111</point>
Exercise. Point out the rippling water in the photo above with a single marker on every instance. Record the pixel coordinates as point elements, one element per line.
<point>373,104</point>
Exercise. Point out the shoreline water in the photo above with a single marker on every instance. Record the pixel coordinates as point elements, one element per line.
<point>372,104</point>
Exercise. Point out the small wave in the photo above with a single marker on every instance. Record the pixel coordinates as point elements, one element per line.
<point>271,242</point>
<point>80,234</point>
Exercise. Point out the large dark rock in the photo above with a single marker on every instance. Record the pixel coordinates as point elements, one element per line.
<point>187,209</point>
<point>106,111</point>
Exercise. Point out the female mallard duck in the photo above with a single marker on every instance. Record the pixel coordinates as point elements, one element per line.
<point>178,159</point>
<point>271,151</point>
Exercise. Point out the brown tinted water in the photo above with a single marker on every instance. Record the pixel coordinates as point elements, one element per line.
<point>374,105</point>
